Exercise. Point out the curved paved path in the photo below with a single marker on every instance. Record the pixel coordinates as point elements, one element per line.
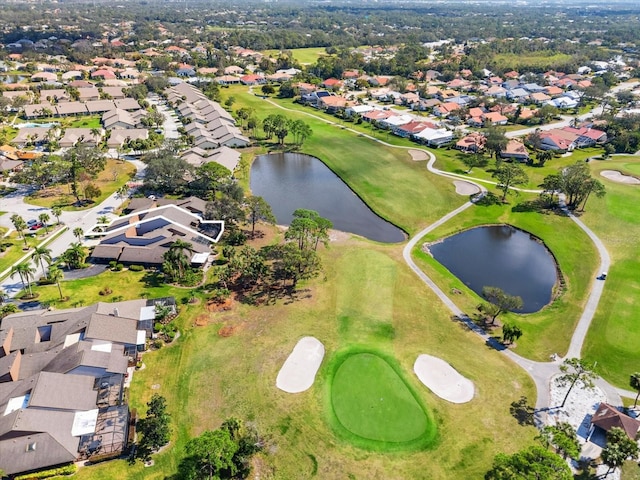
<point>540,372</point>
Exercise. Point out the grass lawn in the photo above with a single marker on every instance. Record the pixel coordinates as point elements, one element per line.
<point>207,378</point>
<point>549,330</point>
<point>78,121</point>
<point>15,250</point>
<point>451,161</point>
<point>369,168</point>
<point>543,59</point>
<point>374,407</point>
<point>125,285</point>
<point>114,176</point>
<point>614,334</point>
<point>305,56</point>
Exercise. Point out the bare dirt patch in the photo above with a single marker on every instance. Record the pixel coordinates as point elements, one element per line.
<point>465,188</point>
<point>619,177</point>
<point>230,330</point>
<point>418,155</point>
<point>223,306</point>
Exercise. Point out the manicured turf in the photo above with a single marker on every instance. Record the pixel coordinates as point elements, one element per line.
<point>305,56</point>
<point>373,403</point>
<point>549,330</point>
<point>614,335</point>
<point>369,168</point>
<point>207,378</point>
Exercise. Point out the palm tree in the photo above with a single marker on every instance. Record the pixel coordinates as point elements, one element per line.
<point>57,211</point>
<point>41,255</point>
<point>25,272</point>
<point>103,219</point>
<point>75,255</point>
<point>20,226</point>
<point>56,275</point>
<point>44,218</point>
<point>177,257</point>
<point>78,233</point>
<point>634,382</point>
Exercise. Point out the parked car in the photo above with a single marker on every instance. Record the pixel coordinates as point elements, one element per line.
<point>36,226</point>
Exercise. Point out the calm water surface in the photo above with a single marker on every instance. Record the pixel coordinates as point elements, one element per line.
<point>291,180</point>
<point>500,256</point>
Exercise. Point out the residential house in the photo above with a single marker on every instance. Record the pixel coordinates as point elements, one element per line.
<point>113,92</point>
<point>539,98</point>
<point>88,93</point>
<point>118,136</point>
<point>445,109</point>
<point>374,116</point>
<point>73,136</point>
<point>496,91</point>
<point>408,130</point>
<point>62,381</point>
<point>395,121</point>
<point>518,95</point>
<point>473,142</point>
<point>70,109</point>
<point>120,119</point>
<point>233,70</point>
<point>515,150</point>
<point>253,79</point>
<point>103,74</point>
<point>32,136</point>
<point>558,139</point>
<point>333,103</point>
<point>587,137</point>
<point>434,137</point>
<point>332,83</point>
<point>553,91</point>
<point>44,77</point>
<point>144,236</point>
<point>563,102</point>
<point>357,110</point>
<point>494,118</point>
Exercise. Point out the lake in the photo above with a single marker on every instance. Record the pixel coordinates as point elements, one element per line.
<point>288,181</point>
<point>500,256</point>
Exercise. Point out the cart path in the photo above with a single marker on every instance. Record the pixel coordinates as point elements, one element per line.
<point>540,372</point>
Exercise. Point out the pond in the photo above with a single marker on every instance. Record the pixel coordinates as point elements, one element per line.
<point>288,181</point>
<point>7,79</point>
<point>501,256</point>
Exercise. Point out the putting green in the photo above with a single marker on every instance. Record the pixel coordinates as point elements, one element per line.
<point>373,403</point>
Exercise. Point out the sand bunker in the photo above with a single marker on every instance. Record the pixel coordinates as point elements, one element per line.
<point>619,177</point>
<point>465,188</point>
<point>443,380</point>
<point>299,370</point>
<point>418,155</point>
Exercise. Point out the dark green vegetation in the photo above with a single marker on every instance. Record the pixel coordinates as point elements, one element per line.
<point>534,462</point>
<point>373,406</point>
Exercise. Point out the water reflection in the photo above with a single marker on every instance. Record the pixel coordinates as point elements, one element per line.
<point>288,181</point>
<point>501,256</point>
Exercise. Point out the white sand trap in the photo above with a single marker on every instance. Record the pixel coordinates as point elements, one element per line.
<point>443,380</point>
<point>619,177</point>
<point>418,155</point>
<point>299,370</point>
<point>465,188</point>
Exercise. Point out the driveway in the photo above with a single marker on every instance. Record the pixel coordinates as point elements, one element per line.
<point>171,123</point>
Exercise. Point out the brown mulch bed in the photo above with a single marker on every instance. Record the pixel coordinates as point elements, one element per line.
<point>220,306</point>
